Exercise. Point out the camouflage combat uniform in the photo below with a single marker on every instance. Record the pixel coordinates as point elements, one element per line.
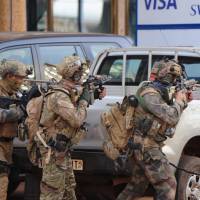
<point>8,120</point>
<point>153,118</point>
<point>63,114</point>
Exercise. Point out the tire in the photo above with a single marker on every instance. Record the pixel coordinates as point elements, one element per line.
<point>188,185</point>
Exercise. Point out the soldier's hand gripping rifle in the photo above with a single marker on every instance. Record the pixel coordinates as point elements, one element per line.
<point>182,84</point>
<point>20,104</point>
<point>21,101</point>
<point>190,84</point>
<point>95,85</point>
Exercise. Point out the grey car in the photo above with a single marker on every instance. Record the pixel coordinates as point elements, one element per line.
<point>35,49</point>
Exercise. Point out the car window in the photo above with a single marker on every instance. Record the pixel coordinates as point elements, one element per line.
<point>112,66</point>
<point>136,69</point>
<point>95,48</point>
<point>23,55</point>
<point>54,55</point>
<point>192,66</point>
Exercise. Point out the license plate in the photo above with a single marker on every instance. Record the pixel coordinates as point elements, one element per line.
<point>77,164</point>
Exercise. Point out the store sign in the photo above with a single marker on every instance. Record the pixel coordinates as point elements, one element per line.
<point>152,12</point>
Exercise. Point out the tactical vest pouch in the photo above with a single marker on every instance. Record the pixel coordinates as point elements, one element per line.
<point>8,130</point>
<point>79,135</point>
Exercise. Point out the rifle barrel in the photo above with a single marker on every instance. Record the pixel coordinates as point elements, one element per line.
<point>38,81</point>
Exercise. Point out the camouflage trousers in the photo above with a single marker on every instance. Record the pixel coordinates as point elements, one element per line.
<point>58,181</point>
<point>154,169</point>
<point>6,149</point>
<point>3,186</point>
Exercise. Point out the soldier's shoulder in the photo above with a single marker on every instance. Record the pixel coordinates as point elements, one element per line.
<point>57,93</point>
<point>147,88</point>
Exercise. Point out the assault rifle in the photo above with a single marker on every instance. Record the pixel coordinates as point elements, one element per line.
<point>6,102</point>
<point>190,84</point>
<point>183,83</point>
<point>95,84</point>
<point>22,101</point>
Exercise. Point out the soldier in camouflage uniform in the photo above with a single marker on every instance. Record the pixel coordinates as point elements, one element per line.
<point>63,114</point>
<point>12,74</point>
<point>154,119</point>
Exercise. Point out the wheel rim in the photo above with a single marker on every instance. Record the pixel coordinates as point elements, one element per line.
<point>193,188</point>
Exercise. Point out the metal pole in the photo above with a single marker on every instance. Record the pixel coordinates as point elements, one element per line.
<point>50,16</point>
<point>80,15</point>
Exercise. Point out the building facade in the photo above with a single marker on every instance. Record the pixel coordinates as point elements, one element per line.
<point>102,16</point>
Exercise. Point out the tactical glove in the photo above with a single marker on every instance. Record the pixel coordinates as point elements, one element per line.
<point>10,115</point>
<point>86,95</point>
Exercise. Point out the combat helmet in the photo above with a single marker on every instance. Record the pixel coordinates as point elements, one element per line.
<point>13,67</point>
<point>71,67</point>
<point>166,71</point>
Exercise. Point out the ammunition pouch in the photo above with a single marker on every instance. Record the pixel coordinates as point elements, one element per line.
<point>132,145</point>
<point>6,139</point>
<point>79,135</point>
<point>4,167</point>
<point>60,144</point>
<point>144,126</point>
<point>154,128</point>
<point>137,145</point>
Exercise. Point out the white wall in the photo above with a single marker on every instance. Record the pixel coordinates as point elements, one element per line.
<point>168,23</point>
<point>183,37</point>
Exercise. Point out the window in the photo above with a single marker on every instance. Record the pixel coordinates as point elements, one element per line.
<point>23,55</point>
<point>192,66</point>
<point>95,48</point>
<point>53,55</point>
<point>136,69</point>
<point>112,66</point>
<point>69,15</point>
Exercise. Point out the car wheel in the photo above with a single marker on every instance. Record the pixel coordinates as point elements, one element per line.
<point>188,184</point>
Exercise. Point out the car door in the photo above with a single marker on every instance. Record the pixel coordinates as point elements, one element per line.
<point>111,65</point>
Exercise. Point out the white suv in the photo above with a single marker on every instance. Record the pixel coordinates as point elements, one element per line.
<point>128,68</point>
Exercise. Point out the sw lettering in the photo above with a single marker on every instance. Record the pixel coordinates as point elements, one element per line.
<point>195,10</point>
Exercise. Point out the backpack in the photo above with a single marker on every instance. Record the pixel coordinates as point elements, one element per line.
<point>34,111</point>
<point>118,121</point>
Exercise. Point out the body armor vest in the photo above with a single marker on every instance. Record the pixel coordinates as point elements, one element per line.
<point>153,128</point>
<point>7,129</point>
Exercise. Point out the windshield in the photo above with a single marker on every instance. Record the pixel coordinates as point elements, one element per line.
<point>192,66</point>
